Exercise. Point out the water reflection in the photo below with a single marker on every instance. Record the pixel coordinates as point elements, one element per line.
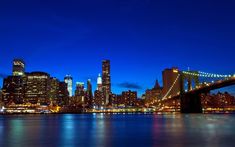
<point>67,134</point>
<point>117,130</point>
<point>16,132</point>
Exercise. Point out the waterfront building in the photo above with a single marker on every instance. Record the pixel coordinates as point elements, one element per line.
<point>63,94</point>
<point>37,87</point>
<point>113,100</point>
<point>69,81</point>
<point>169,78</point>
<point>54,91</point>
<point>151,95</point>
<point>80,93</point>
<point>13,90</point>
<point>99,98</point>
<point>129,97</point>
<point>106,80</point>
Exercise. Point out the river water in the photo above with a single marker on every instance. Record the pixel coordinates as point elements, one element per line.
<point>106,130</point>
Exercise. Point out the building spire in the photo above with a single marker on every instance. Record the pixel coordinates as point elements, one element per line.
<point>157,85</point>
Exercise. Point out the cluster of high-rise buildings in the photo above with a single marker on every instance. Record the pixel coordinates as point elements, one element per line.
<point>33,87</point>
<point>103,97</point>
<point>40,88</point>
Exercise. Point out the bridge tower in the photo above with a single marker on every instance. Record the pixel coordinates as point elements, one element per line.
<point>190,102</point>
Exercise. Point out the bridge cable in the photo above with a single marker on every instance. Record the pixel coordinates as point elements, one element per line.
<point>171,87</point>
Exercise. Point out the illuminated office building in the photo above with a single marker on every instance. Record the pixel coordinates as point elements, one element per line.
<point>69,81</point>
<point>54,90</point>
<point>129,98</point>
<point>153,94</point>
<point>99,98</point>
<point>106,80</point>
<point>63,94</point>
<point>13,90</point>
<point>18,67</point>
<point>80,91</point>
<point>99,83</point>
<point>37,88</point>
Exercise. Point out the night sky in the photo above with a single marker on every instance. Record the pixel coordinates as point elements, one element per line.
<point>140,37</point>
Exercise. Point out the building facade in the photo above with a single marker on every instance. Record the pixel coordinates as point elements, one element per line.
<point>54,91</point>
<point>151,95</point>
<point>69,81</point>
<point>106,80</point>
<point>89,96</point>
<point>170,78</point>
<point>37,88</point>
<point>80,93</point>
<point>99,83</point>
<point>63,94</point>
<point>18,67</point>
<point>99,99</point>
<point>129,98</point>
<point>13,90</point>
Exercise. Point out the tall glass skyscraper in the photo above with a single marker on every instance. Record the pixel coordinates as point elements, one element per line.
<point>106,80</point>
<point>69,81</point>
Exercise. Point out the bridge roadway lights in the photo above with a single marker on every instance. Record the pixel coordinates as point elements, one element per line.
<point>191,103</point>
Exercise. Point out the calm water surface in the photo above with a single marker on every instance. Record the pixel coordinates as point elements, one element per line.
<point>117,130</point>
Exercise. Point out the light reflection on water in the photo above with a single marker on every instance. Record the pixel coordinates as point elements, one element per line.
<point>117,130</point>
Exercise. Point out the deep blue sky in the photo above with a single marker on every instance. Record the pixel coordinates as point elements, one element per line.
<point>140,37</point>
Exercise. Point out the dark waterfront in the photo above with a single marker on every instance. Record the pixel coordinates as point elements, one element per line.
<point>117,130</point>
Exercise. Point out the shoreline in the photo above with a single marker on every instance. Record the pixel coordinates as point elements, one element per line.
<point>114,113</point>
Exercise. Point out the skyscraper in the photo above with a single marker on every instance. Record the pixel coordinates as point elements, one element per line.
<point>37,87</point>
<point>13,89</point>
<point>99,83</point>
<point>18,67</point>
<point>79,89</point>
<point>99,94</point>
<point>69,81</point>
<point>89,96</point>
<point>169,78</point>
<point>89,88</point>
<point>106,80</point>
<point>63,94</point>
<point>54,90</point>
<point>99,98</point>
<point>80,92</point>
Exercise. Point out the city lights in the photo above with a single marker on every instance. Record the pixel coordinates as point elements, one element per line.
<point>38,92</point>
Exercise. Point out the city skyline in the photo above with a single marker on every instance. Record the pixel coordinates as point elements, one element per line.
<point>140,38</point>
<point>182,91</point>
<point>94,82</point>
<point>19,65</point>
<point>117,73</point>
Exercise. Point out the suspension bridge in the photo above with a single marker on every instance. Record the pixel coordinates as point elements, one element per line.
<point>190,97</point>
